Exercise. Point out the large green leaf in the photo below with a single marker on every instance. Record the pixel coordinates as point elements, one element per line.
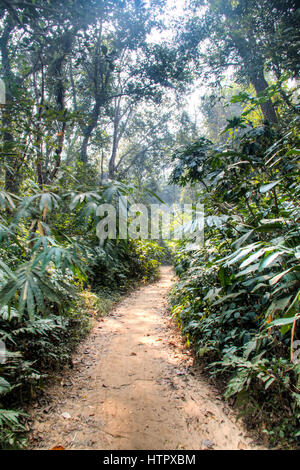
<point>267,187</point>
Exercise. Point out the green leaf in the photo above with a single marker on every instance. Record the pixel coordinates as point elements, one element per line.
<point>282,321</point>
<point>250,269</point>
<point>4,386</point>
<point>269,260</point>
<point>241,253</point>
<point>237,243</point>
<point>269,227</point>
<point>253,257</point>
<point>277,278</point>
<point>267,187</point>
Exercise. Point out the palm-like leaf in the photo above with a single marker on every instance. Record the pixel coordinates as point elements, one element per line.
<point>29,288</point>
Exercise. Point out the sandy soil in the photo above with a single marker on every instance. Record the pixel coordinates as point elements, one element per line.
<point>134,386</point>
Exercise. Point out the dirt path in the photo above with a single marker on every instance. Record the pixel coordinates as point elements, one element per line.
<point>133,387</point>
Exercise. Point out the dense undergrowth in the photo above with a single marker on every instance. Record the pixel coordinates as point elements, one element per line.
<point>55,277</point>
<point>93,92</point>
<point>237,298</point>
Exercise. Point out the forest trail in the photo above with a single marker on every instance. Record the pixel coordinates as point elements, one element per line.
<point>134,386</point>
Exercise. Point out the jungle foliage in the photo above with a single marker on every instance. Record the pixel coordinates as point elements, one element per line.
<point>74,75</point>
<point>91,110</point>
<point>237,298</point>
<point>49,263</point>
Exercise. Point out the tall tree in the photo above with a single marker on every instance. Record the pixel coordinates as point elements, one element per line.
<point>237,34</point>
<point>35,40</point>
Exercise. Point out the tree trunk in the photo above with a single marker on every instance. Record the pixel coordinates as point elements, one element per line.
<point>260,84</point>
<point>112,160</point>
<point>87,131</point>
<point>84,147</point>
<point>254,68</point>
<point>9,158</point>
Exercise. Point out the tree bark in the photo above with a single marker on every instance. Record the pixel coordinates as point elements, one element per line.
<point>254,68</point>
<point>9,156</point>
<point>87,131</point>
<point>260,84</point>
<point>112,160</point>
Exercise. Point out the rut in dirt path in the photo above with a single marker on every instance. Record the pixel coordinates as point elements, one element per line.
<point>133,387</point>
